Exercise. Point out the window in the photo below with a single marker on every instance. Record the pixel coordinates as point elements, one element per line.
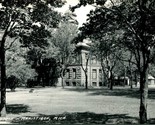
<point>100,73</point>
<point>94,74</point>
<point>74,83</point>
<point>94,84</point>
<point>67,83</point>
<point>100,83</point>
<point>74,73</point>
<point>67,74</point>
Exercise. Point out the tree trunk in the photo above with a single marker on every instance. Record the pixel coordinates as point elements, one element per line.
<point>2,80</point>
<point>110,80</point>
<point>143,96</point>
<point>124,82</point>
<point>131,86</point>
<point>131,80</point>
<point>130,67</point>
<point>111,85</point>
<point>62,82</point>
<point>86,80</point>
<point>64,67</point>
<point>62,78</point>
<point>136,79</point>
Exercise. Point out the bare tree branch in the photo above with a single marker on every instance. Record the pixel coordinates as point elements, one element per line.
<point>11,44</point>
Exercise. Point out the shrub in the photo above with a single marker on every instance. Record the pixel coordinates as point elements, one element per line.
<point>12,82</point>
<point>31,83</point>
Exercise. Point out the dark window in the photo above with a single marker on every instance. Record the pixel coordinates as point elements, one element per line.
<point>67,83</point>
<point>100,83</point>
<point>74,83</point>
<point>100,73</point>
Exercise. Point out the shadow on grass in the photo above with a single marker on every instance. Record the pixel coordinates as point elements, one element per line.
<point>16,108</point>
<point>151,121</point>
<point>151,93</point>
<point>118,91</point>
<point>78,118</point>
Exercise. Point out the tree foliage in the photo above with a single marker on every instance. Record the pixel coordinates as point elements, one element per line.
<point>133,24</point>
<point>62,40</point>
<point>46,67</point>
<point>19,19</point>
<point>12,82</point>
<point>16,63</point>
<point>109,55</point>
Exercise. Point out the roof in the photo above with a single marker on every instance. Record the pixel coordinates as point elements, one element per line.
<point>150,77</point>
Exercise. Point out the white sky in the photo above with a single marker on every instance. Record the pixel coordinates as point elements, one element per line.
<point>80,12</point>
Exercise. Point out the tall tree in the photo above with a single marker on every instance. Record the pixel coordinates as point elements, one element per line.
<point>84,66</point>
<point>85,60</point>
<point>18,18</point>
<point>62,39</point>
<point>134,23</point>
<point>16,63</point>
<point>44,63</point>
<point>108,53</point>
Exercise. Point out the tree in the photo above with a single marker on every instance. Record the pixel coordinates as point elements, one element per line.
<point>12,82</point>
<point>134,23</point>
<point>62,39</point>
<point>130,64</point>
<point>109,55</point>
<point>46,67</point>
<point>41,52</point>
<point>84,66</point>
<point>85,58</point>
<point>17,21</point>
<point>16,63</point>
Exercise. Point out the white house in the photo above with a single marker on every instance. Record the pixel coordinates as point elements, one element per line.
<point>151,80</point>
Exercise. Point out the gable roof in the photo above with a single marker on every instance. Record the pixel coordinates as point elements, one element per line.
<point>150,77</point>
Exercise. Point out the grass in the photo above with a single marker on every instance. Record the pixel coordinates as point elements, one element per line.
<point>118,91</point>
<point>77,105</point>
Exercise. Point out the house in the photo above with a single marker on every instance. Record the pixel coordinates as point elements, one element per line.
<point>75,75</point>
<point>151,80</point>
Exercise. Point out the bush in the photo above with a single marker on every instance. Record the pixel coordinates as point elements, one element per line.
<point>31,83</point>
<point>12,82</point>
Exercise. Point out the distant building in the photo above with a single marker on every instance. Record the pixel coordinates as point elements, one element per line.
<point>75,75</point>
<point>151,80</point>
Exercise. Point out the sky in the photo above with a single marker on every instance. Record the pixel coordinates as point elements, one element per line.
<point>80,12</point>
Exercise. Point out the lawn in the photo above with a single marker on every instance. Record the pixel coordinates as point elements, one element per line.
<point>76,105</point>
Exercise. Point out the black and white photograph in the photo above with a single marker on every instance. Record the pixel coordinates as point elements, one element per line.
<point>72,62</point>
